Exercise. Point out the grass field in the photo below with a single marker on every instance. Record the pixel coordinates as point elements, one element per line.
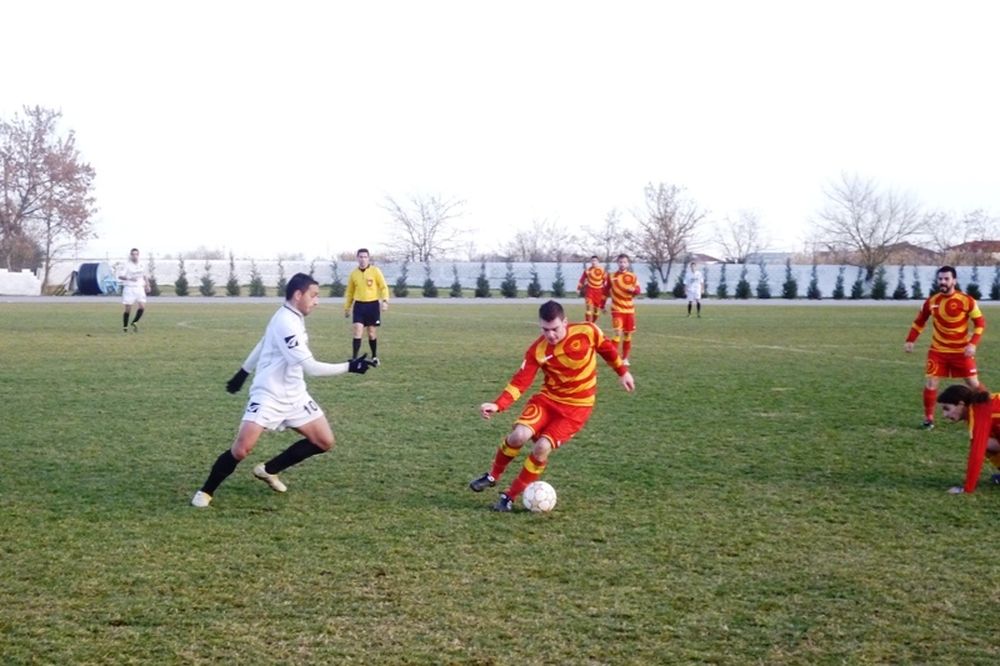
<point>764,497</point>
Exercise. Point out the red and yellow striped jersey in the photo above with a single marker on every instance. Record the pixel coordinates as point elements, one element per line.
<point>624,287</point>
<point>569,367</point>
<point>952,315</point>
<point>595,278</point>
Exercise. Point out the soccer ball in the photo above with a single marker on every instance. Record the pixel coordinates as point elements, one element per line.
<point>539,497</point>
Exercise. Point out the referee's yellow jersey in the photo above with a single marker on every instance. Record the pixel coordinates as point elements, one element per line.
<point>364,286</point>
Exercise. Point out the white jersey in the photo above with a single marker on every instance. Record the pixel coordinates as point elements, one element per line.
<point>694,285</point>
<point>132,275</point>
<point>278,357</point>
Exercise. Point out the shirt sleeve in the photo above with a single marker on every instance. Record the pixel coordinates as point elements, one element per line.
<point>383,288</point>
<point>520,382</point>
<point>978,323</point>
<point>250,364</point>
<point>919,322</point>
<point>315,368</point>
<point>979,435</point>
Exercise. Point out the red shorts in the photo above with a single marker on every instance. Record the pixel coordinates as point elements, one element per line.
<point>594,297</point>
<point>621,321</point>
<point>940,364</point>
<point>552,420</point>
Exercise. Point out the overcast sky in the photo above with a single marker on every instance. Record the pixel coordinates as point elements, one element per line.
<point>280,127</point>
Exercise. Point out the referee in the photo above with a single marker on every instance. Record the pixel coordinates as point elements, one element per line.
<point>369,294</point>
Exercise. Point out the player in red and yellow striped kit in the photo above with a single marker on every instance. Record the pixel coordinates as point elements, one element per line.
<point>981,409</point>
<point>623,285</point>
<point>953,346</point>
<point>594,285</point>
<point>567,356</point>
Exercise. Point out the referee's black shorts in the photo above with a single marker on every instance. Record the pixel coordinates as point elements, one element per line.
<point>367,313</point>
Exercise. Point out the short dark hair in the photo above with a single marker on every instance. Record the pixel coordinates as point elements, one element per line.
<point>362,249</point>
<point>550,311</point>
<point>298,282</point>
<point>135,249</point>
<point>947,269</point>
<point>624,256</point>
<point>594,256</point>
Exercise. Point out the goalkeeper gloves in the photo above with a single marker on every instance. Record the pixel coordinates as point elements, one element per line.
<point>360,364</point>
<point>236,382</point>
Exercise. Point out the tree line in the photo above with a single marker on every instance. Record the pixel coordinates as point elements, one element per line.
<point>48,206</point>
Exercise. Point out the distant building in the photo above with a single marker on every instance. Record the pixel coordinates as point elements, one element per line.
<point>976,251</point>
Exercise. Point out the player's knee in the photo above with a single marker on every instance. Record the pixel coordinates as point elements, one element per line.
<point>240,450</point>
<point>324,442</point>
<point>542,448</point>
<point>518,437</point>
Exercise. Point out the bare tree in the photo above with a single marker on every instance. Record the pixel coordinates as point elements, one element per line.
<point>865,222</point>
<point>666,228</point>
<point>946,230</point>
<point>46,201</point>
<point>740,238</point>
<point>544,240</point>
<point>607,241</point>
<point>425,228</point>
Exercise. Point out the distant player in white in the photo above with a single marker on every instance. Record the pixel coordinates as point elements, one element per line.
<point>694,286</point>
<point>279,398</point>
<point>135,286</point>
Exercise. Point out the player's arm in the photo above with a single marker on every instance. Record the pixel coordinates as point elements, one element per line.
<point>383,288</point>
<point>235,382</point>
<point>978,326</point>
<point>488,409</point>
<point>519,382</point>
<point>978,439</point>
<point>917,326</point>
<point>349,295</point>
<point>315,368</point>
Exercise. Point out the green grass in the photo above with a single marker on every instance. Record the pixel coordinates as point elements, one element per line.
<point>764,497</point>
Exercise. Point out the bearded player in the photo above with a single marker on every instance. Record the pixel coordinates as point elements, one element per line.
<point>567,356</point>
<point>953,345</point>
<point>624,287</point>
<point>594,286</point>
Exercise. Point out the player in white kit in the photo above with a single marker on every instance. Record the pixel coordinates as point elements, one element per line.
<point>694,286</point>
<point>135,286</point>
<point>279,398</point>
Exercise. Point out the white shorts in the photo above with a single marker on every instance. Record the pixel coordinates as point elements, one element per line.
<point>132,295</point>
<point>275,415</point>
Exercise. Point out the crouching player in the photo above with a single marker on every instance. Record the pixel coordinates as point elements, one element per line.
<point>981,410</point>
<point>567,356</point>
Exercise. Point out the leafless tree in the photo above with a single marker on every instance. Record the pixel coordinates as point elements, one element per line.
<point>740,238</point>
<point>667,227</point>
<point>945,230</point>
<point>46,200</point>
<point>866,222</point>
<point>608,241</point>
<point>425,228</point>
<point>544,240</point>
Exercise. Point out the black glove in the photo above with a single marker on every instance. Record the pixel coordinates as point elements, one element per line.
<point>360,364</point>
<point>236,383</point>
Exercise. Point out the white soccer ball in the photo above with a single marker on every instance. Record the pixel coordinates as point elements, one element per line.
<point>539,497</point>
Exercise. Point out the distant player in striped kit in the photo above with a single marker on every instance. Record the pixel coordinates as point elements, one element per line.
<point>981,410</point>
<point>593,285</point>
<point>624,287</point>
<point>567,356</point>
<point>367,297</point>
<point>953,345</point>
